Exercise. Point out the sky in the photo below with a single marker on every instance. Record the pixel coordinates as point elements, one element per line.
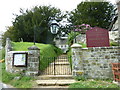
<point>10,7</point>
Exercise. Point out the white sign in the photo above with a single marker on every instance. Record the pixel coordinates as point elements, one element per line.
<point>19,59</point>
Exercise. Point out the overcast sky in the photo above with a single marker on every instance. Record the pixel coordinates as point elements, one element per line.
<point>10,7</point>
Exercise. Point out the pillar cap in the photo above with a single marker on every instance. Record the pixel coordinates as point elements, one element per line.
<point>75,45</point>
<point>33,48</point>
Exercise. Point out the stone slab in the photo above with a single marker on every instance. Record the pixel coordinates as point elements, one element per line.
<point>55,82</point>
<point>46,82</point>
<point>65,82</point>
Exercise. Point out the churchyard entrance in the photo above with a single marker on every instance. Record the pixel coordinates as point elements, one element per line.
<point>57,65</point>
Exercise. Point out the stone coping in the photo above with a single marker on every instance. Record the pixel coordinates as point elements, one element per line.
<point>112,47</point>
<point>18,52</point>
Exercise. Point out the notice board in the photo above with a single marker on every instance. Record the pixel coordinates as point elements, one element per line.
<point>20,59</point>
<point>97,37</point>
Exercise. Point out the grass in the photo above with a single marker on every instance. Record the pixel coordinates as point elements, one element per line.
<point>2,53</point>
<point>83,45</point>
<point>70,57</point>
<point>93,84</point>
<point>9,78</point>
<point>46,51</point>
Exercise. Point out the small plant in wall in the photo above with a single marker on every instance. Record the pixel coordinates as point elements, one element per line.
<point>80,78</point>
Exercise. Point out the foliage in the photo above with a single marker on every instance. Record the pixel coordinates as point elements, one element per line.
<point>69,57</point>
<point>3,53</point>
<point>94,13</point>
<point>7,34</point>
<point>9,78</point>
<point>37,19</point>
<point>78,78</point>
<point>83,45</point>
<point>82,28</point>
<point>76,30</point>
<point>93,84</point>
<point>71,37</point>
<point>114,44</point>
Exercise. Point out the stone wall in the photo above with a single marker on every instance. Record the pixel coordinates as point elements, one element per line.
<point>62,44</point>
<point>113,36</point>
<point>33,58</point>
<point>118,6</point>
<point>8,48</point>
<point>9,63</point>
<point>94,62</point>
<point>33,61</point>
<point>80,38</point>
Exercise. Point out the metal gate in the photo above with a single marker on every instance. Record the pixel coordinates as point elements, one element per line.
<point>61,65</point>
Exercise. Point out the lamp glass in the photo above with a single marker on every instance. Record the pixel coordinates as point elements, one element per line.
<point>54,28</point>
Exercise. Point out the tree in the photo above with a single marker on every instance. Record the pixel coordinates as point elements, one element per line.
<point>93,13</point>
<point>35,19</point>
<point>7,34</point>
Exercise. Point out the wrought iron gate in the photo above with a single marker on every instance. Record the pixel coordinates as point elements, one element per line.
<point>61,65</point>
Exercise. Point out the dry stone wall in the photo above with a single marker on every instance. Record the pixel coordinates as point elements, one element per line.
<point>33,58</point>
<point>94,62</point>
<point>9,63</point>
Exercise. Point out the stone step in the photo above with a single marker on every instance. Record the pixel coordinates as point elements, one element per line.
<point>52,87</point>
<point>61,63</point>
<point>55,82</point>
<point>62,59</point>
<point>56,77</point>
<point>63,55</point>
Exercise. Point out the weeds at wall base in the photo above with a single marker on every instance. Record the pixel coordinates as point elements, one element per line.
<point>10,78</point>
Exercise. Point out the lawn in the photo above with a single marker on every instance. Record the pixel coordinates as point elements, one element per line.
<point>46,51</point>
<point>90,83</point>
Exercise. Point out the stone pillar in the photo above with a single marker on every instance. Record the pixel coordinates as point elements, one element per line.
<point>33,61</point>
<point>8,48</point>
<point>77,63</point>
<point>118,6</point>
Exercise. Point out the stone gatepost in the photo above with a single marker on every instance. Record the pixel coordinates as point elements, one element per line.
<point>77,63</point>
<point>33,61</point>
<point>118,6</point>
<point>8,48</point>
